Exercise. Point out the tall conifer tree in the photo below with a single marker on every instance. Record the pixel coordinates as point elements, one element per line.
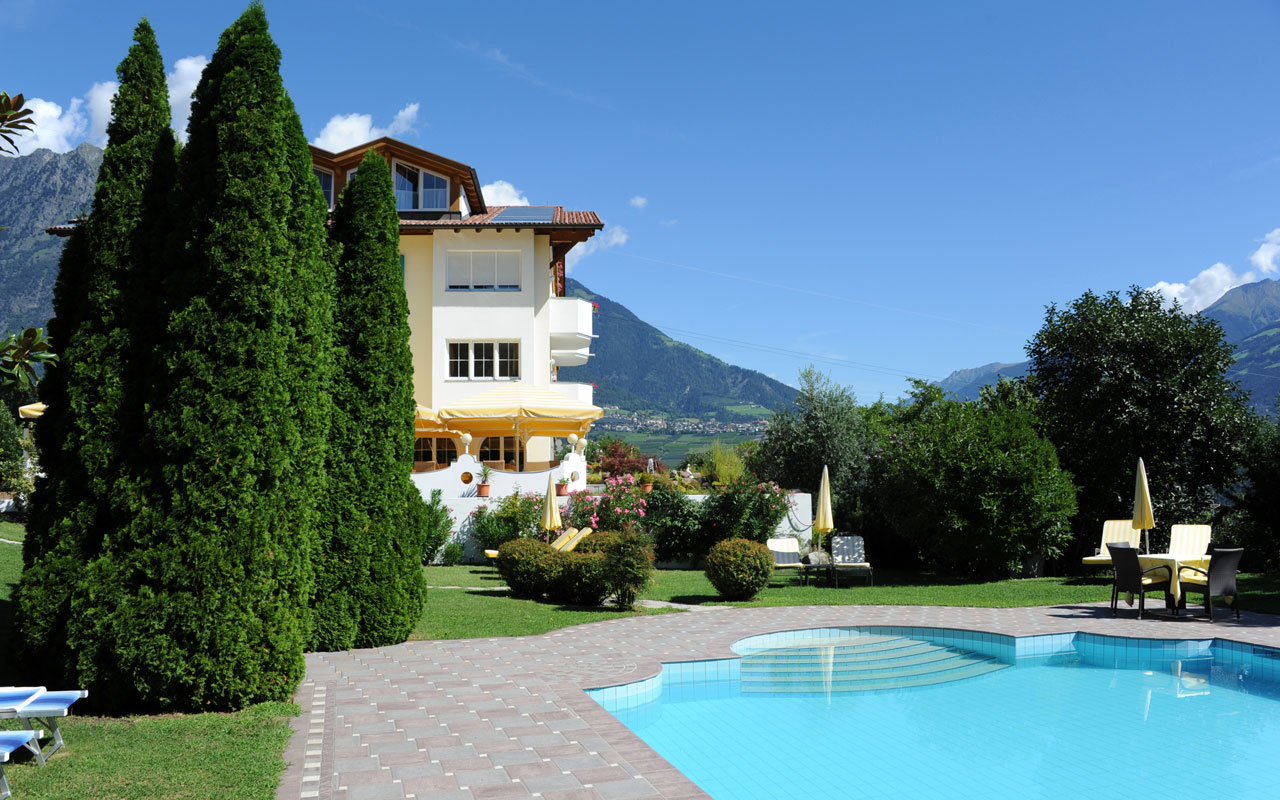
<point>202,601</point>
<point>105,315</point>
<point>369,578</point>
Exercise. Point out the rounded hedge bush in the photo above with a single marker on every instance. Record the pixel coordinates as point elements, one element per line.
<point>739,568</point>
<point>524,564</point>
<point>580,579</point>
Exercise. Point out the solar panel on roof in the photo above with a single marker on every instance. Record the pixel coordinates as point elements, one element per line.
<point>526,214</point>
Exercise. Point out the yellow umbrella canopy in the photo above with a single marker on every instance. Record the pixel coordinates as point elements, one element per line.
<point>823,523</point>
<point>32,411</point>
<point>550,510</point>
<point>519,407</point>
<point>1144,517</point>
<point>427,421</point>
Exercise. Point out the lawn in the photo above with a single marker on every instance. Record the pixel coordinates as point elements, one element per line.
<point>184,756</point>
<point>170,756</point>
<point>471,614</point>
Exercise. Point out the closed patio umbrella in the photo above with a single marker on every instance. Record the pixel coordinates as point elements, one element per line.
<point>551,511</point>
<point>32,411</point>
<point>823,522</point>
<point>1144,517</point>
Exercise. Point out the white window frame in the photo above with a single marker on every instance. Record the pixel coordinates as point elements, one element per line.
<point>420,189</point>
<point>471,285</point>
<point>494,363</point>
<point>332,183</point>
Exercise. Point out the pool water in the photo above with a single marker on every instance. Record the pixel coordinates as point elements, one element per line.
<point>1084,716</point>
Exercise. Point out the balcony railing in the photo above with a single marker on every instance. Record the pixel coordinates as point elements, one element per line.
<point>582,392</point>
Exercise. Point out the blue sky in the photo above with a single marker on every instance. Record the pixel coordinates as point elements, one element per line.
<point>882,190</point>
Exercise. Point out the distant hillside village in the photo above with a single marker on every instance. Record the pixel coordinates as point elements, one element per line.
<point>619,420</point>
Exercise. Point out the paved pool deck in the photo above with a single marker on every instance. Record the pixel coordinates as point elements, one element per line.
<point>508,717</point>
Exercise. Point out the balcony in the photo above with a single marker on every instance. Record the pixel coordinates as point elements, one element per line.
<point>582,392</point>
<point>570,358</point>
<point>570,325</point>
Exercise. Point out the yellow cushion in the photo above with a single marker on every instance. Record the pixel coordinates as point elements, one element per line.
<point>491,553</point>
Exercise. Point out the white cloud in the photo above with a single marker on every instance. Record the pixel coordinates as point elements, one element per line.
<point>1264,258</point>
<point>1201,291</point>
<point>53,127</point>
<point>639,201</point>
<point>182,84</point>
<point>98,101</point>
<point>502,193</point>
<point>344,131</point>
<point>1204,289</point>
<point>611,236</point>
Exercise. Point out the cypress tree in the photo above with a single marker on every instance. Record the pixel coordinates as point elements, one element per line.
<point>104,319</point>
<point>369,578</point>
<point>201,601</point>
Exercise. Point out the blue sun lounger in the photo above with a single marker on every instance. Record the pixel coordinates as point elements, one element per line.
<point>10,741</point>
<point>33,704</point>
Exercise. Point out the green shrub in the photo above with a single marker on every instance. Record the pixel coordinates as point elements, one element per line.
<point>436,523</point>
<point>523,564</point>
<point>674,522</point>
<point>577,578</point>
<point>739,568</point>
<point>597,542</point>
<point>452,554</point>
<point>744,509</point>
<point>628,567</point>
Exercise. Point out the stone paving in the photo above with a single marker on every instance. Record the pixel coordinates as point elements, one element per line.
<point>507,717</point>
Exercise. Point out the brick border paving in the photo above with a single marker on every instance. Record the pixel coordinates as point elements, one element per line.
<point>473,719</point>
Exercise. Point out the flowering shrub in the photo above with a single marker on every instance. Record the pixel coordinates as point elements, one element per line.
<point>744,509</point>
<point>621,505</point>
<point>739,569</point>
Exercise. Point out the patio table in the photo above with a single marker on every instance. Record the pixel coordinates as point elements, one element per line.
<point>1175,563</point>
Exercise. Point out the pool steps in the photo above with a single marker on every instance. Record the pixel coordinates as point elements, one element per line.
<point>859,664</point>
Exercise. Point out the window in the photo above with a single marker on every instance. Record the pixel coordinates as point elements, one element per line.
<point>484,360</point>
<point>326,184</point>
<point>419,190</point>
<point>483,270</point>
<point>508,360</point>
<point>459,360</point>
<point>502,449</point>
<point>441,450</point>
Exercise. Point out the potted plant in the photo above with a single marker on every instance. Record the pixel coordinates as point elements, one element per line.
<point>562,487</point>
<point>482,488</point>
<point>645,480</point>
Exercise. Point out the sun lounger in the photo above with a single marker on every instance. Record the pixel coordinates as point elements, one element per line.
<point>42,707</point>
<point>1189,541</point>
<point>558,544</point>
<point>10,741</point>
<point>785,552</point>
<point>850,552</point>
<point>1120,531</point>
<point>575,540</point>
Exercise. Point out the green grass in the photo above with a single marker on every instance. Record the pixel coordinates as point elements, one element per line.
<point>468,614</point>
<point>468,576</point>
<point>173,756</point>
<point>1260,592</point>
<point>12,531</point>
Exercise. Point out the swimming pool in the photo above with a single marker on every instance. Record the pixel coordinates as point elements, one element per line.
<point>916,712</point>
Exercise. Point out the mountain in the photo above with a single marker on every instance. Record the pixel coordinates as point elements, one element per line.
<point>36,191</point>
<point>1248,314</point>
<point>639,368</point>
<point>636,367</point>
<point>1247,309</point>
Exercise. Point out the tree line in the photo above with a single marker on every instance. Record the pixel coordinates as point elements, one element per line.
<point>229,435</point>
<point>1021,479</point>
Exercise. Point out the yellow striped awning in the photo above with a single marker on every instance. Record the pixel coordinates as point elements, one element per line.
<point>519,407</point>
